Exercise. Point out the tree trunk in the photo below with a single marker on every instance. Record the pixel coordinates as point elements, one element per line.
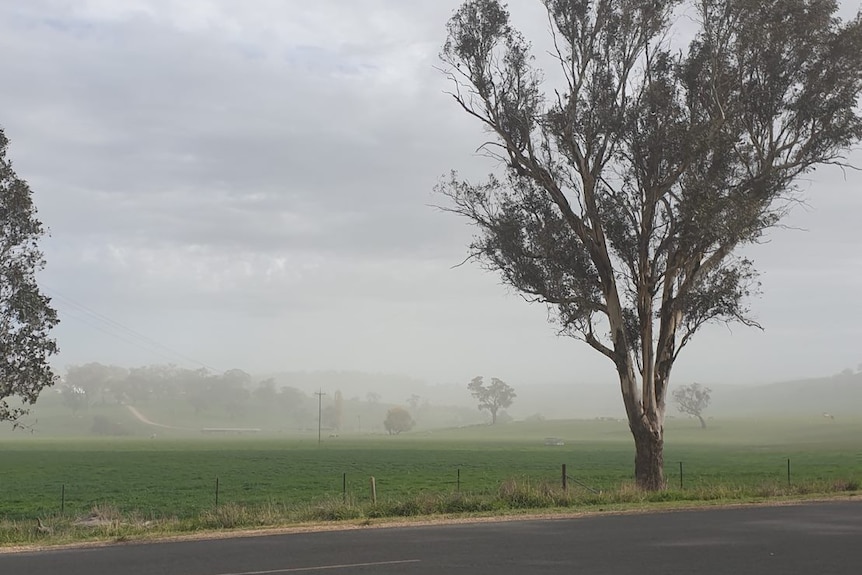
<point>493,416</point>
<point>649,457</point>
<point>702,422</point>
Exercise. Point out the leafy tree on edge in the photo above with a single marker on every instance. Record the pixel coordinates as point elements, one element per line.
<point>26,315</point>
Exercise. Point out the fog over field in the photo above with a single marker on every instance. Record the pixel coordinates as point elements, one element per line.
<point>249,185</point>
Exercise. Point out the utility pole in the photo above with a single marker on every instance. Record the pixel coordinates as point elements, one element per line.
<point>319,395</point>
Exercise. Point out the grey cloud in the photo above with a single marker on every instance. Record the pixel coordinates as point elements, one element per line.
<point>253,179</point>
<point>182,124</point>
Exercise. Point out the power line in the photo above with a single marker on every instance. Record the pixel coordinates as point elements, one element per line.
<point>126,334</point>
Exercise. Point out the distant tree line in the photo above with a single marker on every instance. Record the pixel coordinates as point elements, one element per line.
<point>203,395</point>
<point>230,393</point>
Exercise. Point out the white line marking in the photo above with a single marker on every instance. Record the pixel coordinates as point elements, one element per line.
<point>325,567</point>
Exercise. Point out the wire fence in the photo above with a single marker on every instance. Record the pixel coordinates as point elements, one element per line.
<point>189,496</point>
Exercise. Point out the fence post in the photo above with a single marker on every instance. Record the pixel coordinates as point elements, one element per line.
<point>458,482</point>
<point>788,472</point>
<point>62,499</point>
<point>216,492</point>
<point>344,487</point>
<point>373,490</point>
<point>680,474</point>
<point>565,485</point>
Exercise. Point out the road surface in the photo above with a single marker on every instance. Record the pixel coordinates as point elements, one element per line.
<point>807,539</point>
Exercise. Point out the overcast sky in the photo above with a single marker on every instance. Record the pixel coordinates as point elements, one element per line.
<point>247,184</point>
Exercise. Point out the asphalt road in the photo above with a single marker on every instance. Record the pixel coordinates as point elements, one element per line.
<point>810,539</point>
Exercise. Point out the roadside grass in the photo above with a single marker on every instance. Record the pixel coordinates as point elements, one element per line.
<point>513,497</point>
<point>56,490</point>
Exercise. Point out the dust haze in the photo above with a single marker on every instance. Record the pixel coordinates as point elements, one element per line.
<point>169,401</point>
<point>243,184</point>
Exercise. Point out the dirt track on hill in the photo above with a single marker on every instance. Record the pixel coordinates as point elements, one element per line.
<point>140,417</point>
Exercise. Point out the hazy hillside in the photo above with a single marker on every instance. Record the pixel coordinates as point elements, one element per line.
<point>381,387</point>
<point>552,401</point>
<point>291,405</point>
<point>839,395</point>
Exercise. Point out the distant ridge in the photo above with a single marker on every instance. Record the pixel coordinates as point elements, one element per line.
<point>837,395</point>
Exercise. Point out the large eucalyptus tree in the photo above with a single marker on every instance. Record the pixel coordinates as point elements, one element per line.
<point>630,187</point>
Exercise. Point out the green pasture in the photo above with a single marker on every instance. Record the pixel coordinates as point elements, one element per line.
<point>176,477</point>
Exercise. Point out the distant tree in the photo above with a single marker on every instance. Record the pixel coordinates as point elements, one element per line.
<point>230,390</point>
<point>372,397</point>
<point>236,378</point>
<point>98,380</point>
<point>693,400</point>
<point>74,398</point>
<point>164,382</point>
<point>26,315</point>
<point>634,175</point>
<point>397,421</point>
<point>140,384</point>
<point>118,386</point>
<point>196,389</point>
<point>265,393</point>
<point>492,397</point>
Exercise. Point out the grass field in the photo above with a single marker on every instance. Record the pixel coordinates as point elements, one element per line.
<point>176,477</point>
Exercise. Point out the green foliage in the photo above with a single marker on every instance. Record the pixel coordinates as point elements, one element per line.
<point>26,315</point>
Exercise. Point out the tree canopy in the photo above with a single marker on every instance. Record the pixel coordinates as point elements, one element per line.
<point>630,186</point>
<point>398,420</point>
<point>492,397</point>
<point>26,315</point>
<point>692,400</point>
